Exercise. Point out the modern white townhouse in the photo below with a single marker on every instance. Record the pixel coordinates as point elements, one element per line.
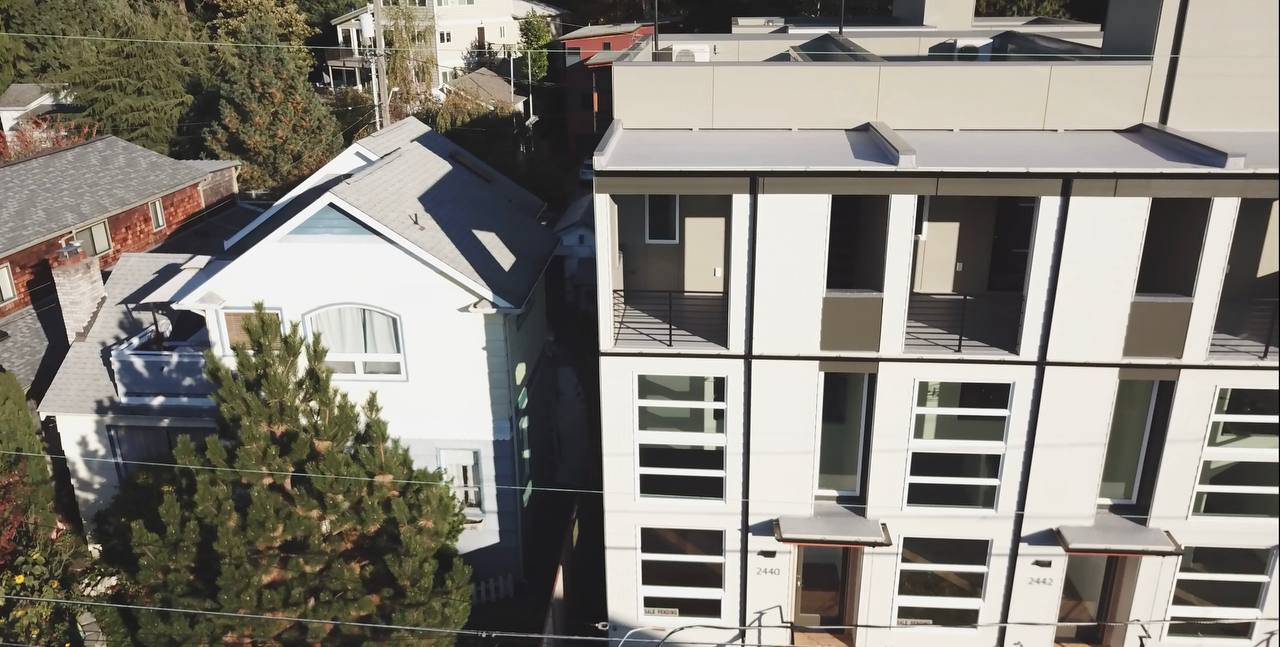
<point>460,26</point>
<point>421,269</point>
<point>900,348</point>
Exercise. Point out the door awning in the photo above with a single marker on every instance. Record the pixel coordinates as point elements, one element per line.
<point>1112,534</point>
<point>831,524</point>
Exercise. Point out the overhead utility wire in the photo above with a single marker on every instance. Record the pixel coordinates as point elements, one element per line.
<point>160,41</point>
<point>568,490</point>
<point>484,633</point>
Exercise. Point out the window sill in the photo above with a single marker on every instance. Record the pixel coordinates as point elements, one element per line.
<point>473,516</point>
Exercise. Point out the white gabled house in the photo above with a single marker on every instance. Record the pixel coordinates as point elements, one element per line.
<point>420,267</point>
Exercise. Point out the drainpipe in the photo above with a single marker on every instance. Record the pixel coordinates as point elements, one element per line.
<point>842,17</point>
<point>750,298</point>
<point>1037,391</point>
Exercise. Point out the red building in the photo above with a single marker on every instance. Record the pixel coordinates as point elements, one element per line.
<point>587,62</point>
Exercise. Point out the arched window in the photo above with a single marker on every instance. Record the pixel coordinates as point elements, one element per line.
<point>361,341</point>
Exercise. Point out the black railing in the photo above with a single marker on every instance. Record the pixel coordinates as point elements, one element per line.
<point>670,318</point>
<point>1246,326</point>
<point>946,322</point>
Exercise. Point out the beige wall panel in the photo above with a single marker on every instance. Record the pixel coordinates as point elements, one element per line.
<point>995,95</point>
<point>653,95</point>
<point>1075,90</point>
<point>793,96</point>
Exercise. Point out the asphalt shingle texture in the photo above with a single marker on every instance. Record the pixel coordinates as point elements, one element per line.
<point>50,194</point>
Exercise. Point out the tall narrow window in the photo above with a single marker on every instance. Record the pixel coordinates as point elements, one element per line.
<point>682,572</point>
<point>461,468</point>
<point>680,440</point>
<point>844,412</point>
<point>156,209</point>
<point>941,581</point>
<point>957,445</point>
<point>1219,584</point>
<point>1127,441</point>
<point>8,290</point>
<point>662,219</point>
<point>1239,474</point>
<point>361,341</point>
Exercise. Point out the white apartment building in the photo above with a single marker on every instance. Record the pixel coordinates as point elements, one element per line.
<point>962,350</point>
<point>459,26</point>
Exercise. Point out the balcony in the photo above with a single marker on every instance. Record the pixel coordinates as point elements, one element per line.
<point>1245,328</point>
<point>1160,313</point>
<point>670,289</point>
<point>969,283</point>
<point>164,362</point>
<point>667,319</point>
<point>963,323</point>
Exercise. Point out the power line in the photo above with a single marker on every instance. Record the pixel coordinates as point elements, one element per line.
<point>915,514</point>
<point>205,43</point>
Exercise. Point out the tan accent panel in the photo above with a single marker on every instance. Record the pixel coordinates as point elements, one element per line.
<point>851,322</point>
<point>1000,187</point>
<point>670,185</point>
<point>1094,188</point>
<point>1150,374</point>
<point>1196,188</point>
<point>851,185</point>
<point>842,366</point>
<point>1157,328</point>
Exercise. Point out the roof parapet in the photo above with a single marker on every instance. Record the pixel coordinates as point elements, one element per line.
<point>607,142</point>
<point>1180,141</point>
<point>902,153</point>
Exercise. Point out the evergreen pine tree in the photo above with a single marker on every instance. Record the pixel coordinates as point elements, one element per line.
<point>139,91</point>
<point>313,511</point>
<point>39,555</point>
<point>269,118</point>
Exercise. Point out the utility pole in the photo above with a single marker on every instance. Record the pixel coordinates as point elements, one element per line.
<point>381,90</point>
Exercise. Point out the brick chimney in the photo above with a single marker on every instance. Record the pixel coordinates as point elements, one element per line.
<point>77,278</point>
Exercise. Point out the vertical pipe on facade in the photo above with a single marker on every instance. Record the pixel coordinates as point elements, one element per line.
<point>1175,53</point>
<point>1037,390</point>
<point>754,199</point>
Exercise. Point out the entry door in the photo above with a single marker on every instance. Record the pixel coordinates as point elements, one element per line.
<point>480,37</point>
<point>1090,594</point>
<point>824,593</point>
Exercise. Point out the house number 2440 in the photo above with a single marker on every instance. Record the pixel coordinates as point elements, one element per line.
<point>768,570</point>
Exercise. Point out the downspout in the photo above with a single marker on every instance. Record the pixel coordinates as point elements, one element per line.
<point>1037,391</point>
<point>745,532</point>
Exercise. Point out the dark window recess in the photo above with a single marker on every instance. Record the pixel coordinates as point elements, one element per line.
<point>920,550</point>
<point>694,574</point>
<point>678,457</point>
<point>682,607</point>
<point>856,242</point>
<point>681,541</point>
<point>689,487</point>
<point>1206,593</point>
<point>1210,629</point>
<point>955,465</point>
<point>680,419</point>
<point>606,46</point>
<point>1233,561</point>
<point>1172,246</point>
<point>968,395</point>
<point>947,584</point>
<point>952,496</point>
<point>1248,402</point>
<point>1011,244</point>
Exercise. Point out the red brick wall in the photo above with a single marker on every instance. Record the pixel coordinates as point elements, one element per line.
<point>130,232</point>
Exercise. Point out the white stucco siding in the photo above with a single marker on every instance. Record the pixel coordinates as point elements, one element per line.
<point>1212,270</point>
<point>1100,257</point>
<point>790,285</point>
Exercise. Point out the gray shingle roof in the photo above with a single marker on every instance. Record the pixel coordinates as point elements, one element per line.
<point>83,384</point>
<point>20,95</point>
<point>33,337</point>
<point>454,207</point>
<point>47,195</point>
<point>486,86</point>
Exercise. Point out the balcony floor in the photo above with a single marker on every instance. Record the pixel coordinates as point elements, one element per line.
<point>688,321</point>
<point>985,324</point>
<point>1228,346</point>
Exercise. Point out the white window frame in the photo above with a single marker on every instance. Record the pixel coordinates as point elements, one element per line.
<point>684,592</point>
<point>690,438</point>
<point>474,512</point>
<point>445,37</point>
<point>662,241</point>
<point>862,437</point>
<point>106,228</point>
<point>940,602</point>
<point>1142,453</point>
<point>1227,454</point>
<point>8,286</point>
<point>360,358</point>
<point>1252,614</point>
<point>979,447</point>
<point>227,351</point>
<point>155,209</point>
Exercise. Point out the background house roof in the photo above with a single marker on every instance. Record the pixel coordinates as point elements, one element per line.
<point>454,207</point>
<point>20,95</point>
<point>596,31</point>
<point>486,86</point>
<point>50,194</point>
<point>521,8</point>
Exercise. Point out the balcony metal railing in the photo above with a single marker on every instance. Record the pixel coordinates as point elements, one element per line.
<point>960,323</point>
<point>667,318</point>
<point>1246,328</point>
<point>174,371</point>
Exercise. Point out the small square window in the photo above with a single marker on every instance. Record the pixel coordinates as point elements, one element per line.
<point>234,324</point>
<point>608,47</point>
<point>156,210</point>
<point>461,468</point>
<point>446,37</point>
<point>95,239</point>
<point>662,219</point>
<point>8,290</point>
